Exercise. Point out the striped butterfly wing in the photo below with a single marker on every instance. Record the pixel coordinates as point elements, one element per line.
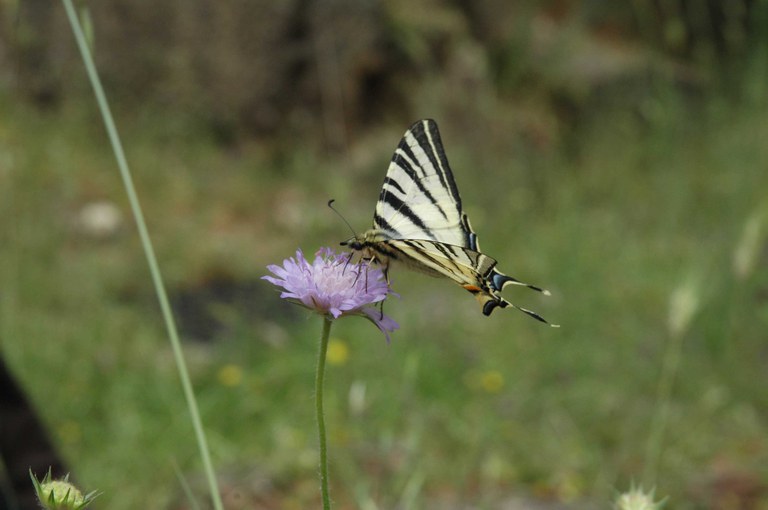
<point>419,199</point>
<point>462,265</point>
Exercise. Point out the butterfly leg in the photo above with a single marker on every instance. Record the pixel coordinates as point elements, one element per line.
<point>359,266</point>
<point>385,270</point>
<point>363,265</point>
<point>349,259</point>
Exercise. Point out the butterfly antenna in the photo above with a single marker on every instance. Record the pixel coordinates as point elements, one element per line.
<point>330,204</point>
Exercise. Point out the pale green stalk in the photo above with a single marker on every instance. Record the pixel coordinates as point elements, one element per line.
<point>148,250</point>
<point>669,370</point>
<point>185,487</point>
<point>684,301</point>
<point>319,378</point>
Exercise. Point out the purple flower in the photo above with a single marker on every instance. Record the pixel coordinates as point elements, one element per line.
<point>330,285</point>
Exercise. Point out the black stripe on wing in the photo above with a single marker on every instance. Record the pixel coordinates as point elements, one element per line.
<point>460,264</point>
<point>380,223</point>
<point>407,161</point>
<point>428,136</point>
<point>402,208</point>
<point>430,257</point>
<point>450,254</point>
<point>471,237</point>
<point>393,183</point>
<point>419,173</point>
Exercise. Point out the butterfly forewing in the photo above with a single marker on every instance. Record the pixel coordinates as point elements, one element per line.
<point>419,199</point>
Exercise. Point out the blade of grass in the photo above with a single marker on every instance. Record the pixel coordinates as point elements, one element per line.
<point>185,487</point>
<point>684,302</point>
<point>162,296</point>
<point>669,369</point>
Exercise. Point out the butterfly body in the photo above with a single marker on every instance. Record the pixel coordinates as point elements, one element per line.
<point>419,222</point>
<point>380,247</point>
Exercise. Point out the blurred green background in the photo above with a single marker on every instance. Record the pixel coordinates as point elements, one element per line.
<point>613,152</point>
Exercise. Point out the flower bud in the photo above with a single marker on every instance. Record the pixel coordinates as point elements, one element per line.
<point>60,494</point>
<point>637,499</point>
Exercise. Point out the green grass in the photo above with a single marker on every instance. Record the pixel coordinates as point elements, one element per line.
<point>459,407</point>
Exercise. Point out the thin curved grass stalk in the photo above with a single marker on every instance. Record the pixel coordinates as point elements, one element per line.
<point>146,243</point>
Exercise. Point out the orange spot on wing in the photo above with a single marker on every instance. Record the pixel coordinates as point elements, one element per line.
<point>472,288</point>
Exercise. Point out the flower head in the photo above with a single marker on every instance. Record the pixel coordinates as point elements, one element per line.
<point>331,286</point>
<point>637,499</point>
<point>60,494</point>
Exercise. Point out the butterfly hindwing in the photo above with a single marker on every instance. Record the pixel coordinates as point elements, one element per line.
<point>462,265</point>
<point>472,270</point>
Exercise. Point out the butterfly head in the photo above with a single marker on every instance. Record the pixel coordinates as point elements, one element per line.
<point>354,243</point>
<point>368,246</point>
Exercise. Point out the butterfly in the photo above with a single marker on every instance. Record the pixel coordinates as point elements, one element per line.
<point>419,222</point>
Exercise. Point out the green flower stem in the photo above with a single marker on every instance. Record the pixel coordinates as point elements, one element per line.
<point>319,378</point>
<point>154,269</point>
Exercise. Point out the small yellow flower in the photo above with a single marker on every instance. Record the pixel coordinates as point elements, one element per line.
<point>338,352</point>
<point>492,381</point>
<point>230,375</point>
